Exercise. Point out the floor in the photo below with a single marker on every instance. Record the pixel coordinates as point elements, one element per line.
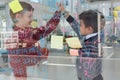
<point>61,66</point>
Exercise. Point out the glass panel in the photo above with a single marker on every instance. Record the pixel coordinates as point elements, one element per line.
<point>60,65</point>
<point>61,68</point>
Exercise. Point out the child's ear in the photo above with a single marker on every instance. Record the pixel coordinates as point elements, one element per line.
<point>90,29</point>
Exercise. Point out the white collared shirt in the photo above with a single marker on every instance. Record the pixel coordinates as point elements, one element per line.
<point>90,35</point>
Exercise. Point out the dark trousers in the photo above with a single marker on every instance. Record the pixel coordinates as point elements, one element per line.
<point>99,77</point>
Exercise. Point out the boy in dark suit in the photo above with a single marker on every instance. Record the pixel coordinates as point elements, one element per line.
<point>88,63</point>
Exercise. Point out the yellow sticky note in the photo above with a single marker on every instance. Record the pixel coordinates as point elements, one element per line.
<point>15,6</point>
<point>74,42</point>
<point>57,42</point>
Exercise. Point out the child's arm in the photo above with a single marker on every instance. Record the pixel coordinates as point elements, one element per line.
<point>50,26</point>
<point>74,24</point>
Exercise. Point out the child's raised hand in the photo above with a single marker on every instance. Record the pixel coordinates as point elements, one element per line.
<point>61,7</point>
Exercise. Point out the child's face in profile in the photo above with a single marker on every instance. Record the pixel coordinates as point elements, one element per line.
<point>85,30</point>
<point>26,18</point>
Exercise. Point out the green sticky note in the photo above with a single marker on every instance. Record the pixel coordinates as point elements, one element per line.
<point>15,6</point>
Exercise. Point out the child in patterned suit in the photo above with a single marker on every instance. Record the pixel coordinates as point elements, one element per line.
<point>28,53</point>
<point>88,63</point>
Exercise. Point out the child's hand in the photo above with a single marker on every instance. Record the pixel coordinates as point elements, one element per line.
<point>61,7</point>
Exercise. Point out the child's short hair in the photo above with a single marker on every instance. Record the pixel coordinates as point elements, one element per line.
<point>25,6</point>
<point>90,19</point>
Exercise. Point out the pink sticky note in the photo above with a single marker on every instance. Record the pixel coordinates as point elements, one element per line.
<point>74,52</point>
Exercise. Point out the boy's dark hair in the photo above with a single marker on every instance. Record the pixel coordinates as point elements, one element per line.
<point>25,6</point>
<point>90,19</point>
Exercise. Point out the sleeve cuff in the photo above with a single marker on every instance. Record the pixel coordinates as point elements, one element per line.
<point>70,19</point>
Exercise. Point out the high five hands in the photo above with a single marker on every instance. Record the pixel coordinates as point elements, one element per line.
<point>61,7</point>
